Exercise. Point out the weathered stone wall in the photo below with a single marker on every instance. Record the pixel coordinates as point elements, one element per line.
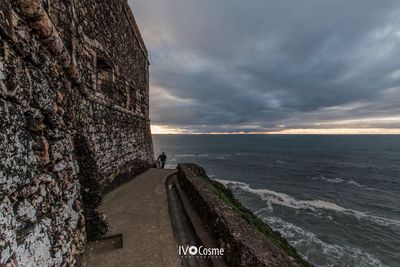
<point>73,122</point>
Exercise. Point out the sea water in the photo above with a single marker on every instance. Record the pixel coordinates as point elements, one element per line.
<point>336,199</point>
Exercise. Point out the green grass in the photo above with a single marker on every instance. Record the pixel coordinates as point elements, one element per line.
<point>228,198</point>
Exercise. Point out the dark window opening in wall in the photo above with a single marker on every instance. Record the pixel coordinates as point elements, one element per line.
<point>130,96</point>
<point>105,77</point>
<point>143,106</point>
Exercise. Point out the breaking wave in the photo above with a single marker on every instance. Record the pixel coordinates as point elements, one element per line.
<point>340,180</point>
<point>220,156</point>
<point>310,246</point>
<point>171,166</point>
<point>192,155</point>
<point>331,180</point>
<point>355,183</point>
<point>282,199</point>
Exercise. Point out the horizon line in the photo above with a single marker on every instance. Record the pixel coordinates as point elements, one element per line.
<point>158,129</point>
<point>277,133</point>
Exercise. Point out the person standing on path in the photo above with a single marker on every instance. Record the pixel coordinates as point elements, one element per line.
<point>162,158</point>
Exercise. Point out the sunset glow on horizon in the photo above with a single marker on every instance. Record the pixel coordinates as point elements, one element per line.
<point>157,129</point>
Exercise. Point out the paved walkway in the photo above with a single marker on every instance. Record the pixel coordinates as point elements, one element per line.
<point>139,211</point>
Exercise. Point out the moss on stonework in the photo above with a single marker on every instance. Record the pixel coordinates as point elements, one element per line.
<point>228,198</point>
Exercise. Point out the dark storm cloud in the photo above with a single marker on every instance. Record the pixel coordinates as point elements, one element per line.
<point>262,65</point>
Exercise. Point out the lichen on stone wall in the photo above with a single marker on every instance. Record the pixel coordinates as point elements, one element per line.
<point>63,141</point>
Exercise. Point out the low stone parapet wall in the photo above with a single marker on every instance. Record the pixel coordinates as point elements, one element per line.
<point>247,241</point>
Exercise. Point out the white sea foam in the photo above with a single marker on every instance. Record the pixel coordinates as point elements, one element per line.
<point>329,180</point>
<point>170,166</point>
<point>209,156</point>
<point>352,182</point>
<point>333,180</point>
<point>282,199</point>
<point>192,155</point>
<point>311,246</point>
<point>340,180</point>
<point>355,183</point>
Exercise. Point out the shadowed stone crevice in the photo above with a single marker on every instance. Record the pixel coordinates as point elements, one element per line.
<point>91,191</point>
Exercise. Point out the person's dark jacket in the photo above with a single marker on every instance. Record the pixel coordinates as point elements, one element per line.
<point>162,157</point>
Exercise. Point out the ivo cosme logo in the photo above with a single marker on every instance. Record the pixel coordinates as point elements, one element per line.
<point>201,251</point>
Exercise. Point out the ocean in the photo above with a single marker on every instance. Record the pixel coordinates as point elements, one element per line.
<point>336,199</point>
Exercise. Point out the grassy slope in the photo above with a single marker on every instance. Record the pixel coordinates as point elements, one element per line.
<point>227,196</point>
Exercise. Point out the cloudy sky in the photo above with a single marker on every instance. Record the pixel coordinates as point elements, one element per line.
<point>304,66</point>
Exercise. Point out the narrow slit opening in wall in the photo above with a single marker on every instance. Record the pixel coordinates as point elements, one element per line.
<point>105,77</point>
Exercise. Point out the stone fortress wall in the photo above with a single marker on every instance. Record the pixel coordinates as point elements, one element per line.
<point>74,122</point>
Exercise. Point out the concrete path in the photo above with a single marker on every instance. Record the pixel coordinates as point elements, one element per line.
<point>139,211</point>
